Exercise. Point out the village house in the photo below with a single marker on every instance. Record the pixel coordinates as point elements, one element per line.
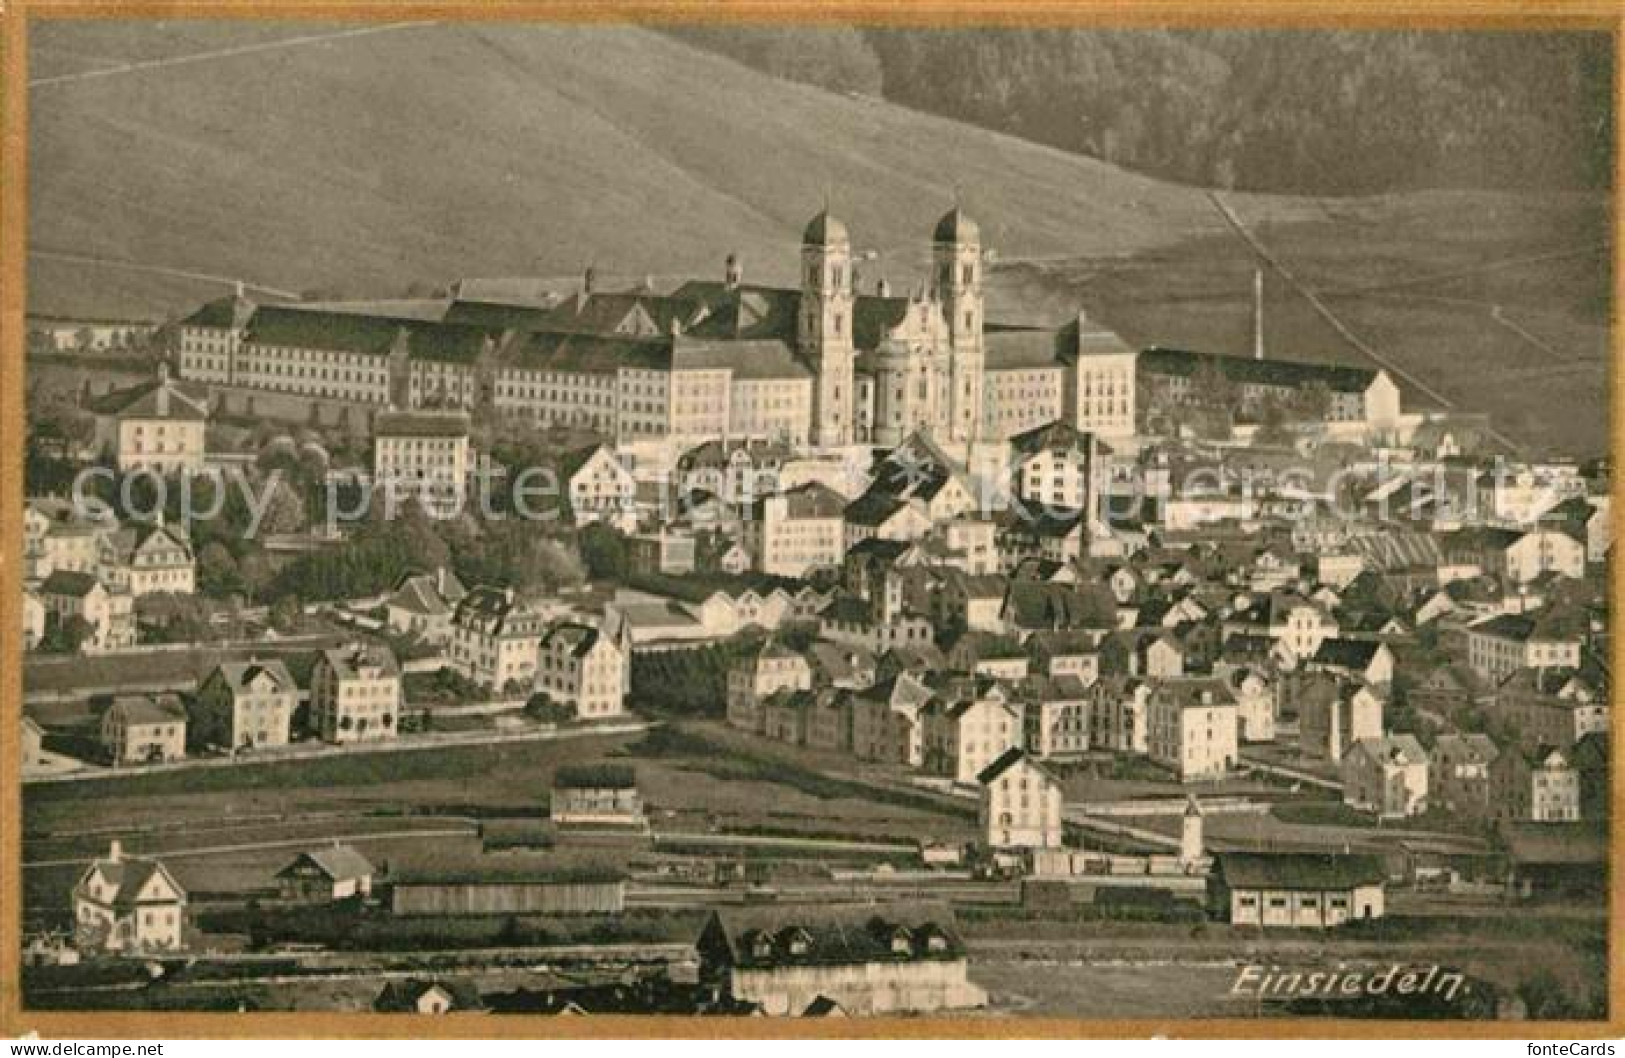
<point>128,905</point>
<point>418,996</point>
<point>33,621</point>
<point>580,667</point>
<point>596,484</point>
<point>1021,803</point>
<point>1519,556</point>
<point>1296,889</point>
<point>596,795</point>
<point>1537,785</point>
<point>774,668</point>
<point>422,605</point>
<point>795,532</point>
<point>962,736</point>
<point>1056,466</point>
<point>1072,653</point>
<point>108,615</point>
<point>1370,662</point>
<point>423,455</point>
<point>1387,776</point>
<point>144,729</point>
<point>1119,710</point>
<point>887,721</point>
<point>1333,714</point>
<point>325,875</point>
<point>245,705</point>
<point>1553,706</point>
<point>1055,716</point>
<point>355,694</point>
<point>1459,774</point>
<point>141,559</point>
<point>870,959</point>
<point>155,426</point>
<point>1498,646</point>
<point>495,637</point>
<point>1192,727</point>
<point>1587,519</point>
<point>1254,693</point>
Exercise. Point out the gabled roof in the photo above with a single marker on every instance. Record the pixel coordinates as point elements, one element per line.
<point>238,675</point>
<point>599,776</point>
<point>579,638</point>
<point>833,935</point>
<point>341,863</point>
<point>1007,760</point>
<point>1298,870</point>
<point>148,709</point>
<point>1354,654</point>
<point>160,399</point>
<point>129,875</point>
<point>347,661</point>
<point>1393,749</point>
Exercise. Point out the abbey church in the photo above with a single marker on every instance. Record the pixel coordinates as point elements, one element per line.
<point>823,364</point>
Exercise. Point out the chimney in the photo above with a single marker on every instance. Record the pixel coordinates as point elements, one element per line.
<point>882,288</point>
<point>115,851</point>
<point>589,280</point>
<point>732,273</point>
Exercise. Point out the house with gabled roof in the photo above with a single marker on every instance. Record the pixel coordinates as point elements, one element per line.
<point>245,705</point>
<point>324,875</point>
<point>1386,775</point>
<point>355,694</point>
<point>1020,803</point>
<point>157,426</point>
<point>1192,727</point>
<point>965,729</point>
<point>1304,890</point>
<point>144,729</point>
<point>142,558</point>
<point>775,667</point>
<point>872,959</point>
<point>1536,784</point>
<point>128,905</point>
<point>421,996</point>
<point>1459,773</point>
<point>422,605</point>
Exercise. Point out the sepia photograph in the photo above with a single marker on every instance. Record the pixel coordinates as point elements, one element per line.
<point>812,520</point>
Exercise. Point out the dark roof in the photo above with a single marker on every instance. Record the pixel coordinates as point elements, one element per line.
<point>1299,870</point>
<point>841,935</point>
<point>159,399</point>
<point>872,509</point>
<point>956,227</point>
<point>824,230</point>
<point>1057,436</point>
<point>71,582</point>
<point>1005,761</point>
<point>222,314</point>
<point>338,862</point>
<point>1017,349</point>
<point>420,424</point>
<point>298,328</point>
<point>507,874</point>
<point>1340,378</point>
<point>595,777</point>
<point>1347,653</point>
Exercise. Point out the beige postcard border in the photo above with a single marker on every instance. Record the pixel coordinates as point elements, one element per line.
<point>1342,14</point>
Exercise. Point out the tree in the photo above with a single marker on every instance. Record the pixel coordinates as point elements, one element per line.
<point>217,571</point>
<point>604,552</point>
<point>66,636</point>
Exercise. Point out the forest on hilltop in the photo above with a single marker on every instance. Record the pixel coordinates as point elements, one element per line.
<point>1297,111</point>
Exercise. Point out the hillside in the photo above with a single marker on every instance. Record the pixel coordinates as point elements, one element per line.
<point>366,160</point>
<point>425,153</point>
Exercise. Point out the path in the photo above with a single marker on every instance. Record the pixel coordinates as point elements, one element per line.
<point>221,53</point>
<point>173,273</point>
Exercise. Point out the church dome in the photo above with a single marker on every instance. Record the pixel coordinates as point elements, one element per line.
<point>955,226</point>
<point>824,230</point>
